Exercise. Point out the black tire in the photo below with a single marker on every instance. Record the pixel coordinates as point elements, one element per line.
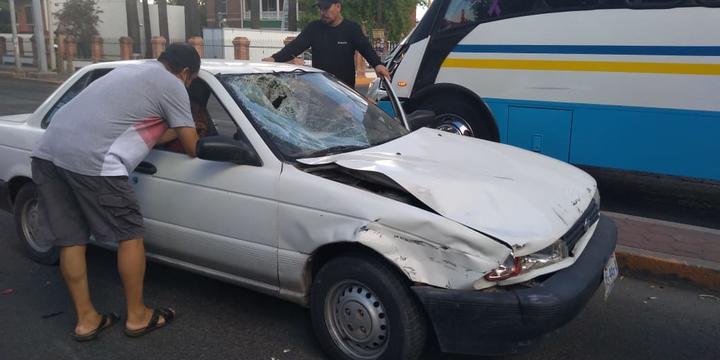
<point>25,209</point>
<point>373,303</point>
<point>454,112</point>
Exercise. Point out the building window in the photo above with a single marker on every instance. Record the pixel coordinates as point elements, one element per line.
<point>269,5</point>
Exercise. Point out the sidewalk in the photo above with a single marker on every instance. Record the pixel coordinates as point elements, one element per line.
<point>666,249</point>
<point>659,248</point>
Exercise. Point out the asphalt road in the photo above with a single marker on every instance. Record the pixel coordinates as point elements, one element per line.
<point>641,320</point>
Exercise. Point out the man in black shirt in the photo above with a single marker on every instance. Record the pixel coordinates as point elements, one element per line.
<point>334,41</point>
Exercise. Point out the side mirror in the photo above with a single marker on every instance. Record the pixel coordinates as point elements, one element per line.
<point>220,148</point>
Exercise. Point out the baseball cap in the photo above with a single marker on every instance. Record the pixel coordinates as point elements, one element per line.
<point>324,4</point>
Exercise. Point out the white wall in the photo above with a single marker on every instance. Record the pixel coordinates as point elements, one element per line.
<point>263,43</point>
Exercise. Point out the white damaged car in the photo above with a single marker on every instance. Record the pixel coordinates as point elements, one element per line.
<point>307,192</point>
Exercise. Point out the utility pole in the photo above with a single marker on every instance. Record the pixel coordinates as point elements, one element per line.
<point>39,31</point>
<point>13,24</point>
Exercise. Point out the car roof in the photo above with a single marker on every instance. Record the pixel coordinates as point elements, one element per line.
<point>221,66</point>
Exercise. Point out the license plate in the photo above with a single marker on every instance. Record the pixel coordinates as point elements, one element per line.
<point>610,274</point>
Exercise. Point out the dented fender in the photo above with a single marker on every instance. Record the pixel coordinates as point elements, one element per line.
<point>427,262</point>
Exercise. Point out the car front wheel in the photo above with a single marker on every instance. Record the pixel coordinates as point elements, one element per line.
<point>26,214</point>
<point>364,309</point>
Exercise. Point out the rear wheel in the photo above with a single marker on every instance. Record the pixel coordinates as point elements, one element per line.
<point>363,309</point>
<point>457,115</point>
<point>38,246</point>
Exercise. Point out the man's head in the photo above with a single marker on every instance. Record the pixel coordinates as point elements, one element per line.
<point>182,60</point>
<point>329,11</point>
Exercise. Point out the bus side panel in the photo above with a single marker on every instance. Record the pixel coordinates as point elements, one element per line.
<point>679,142</point>
<point>663,141</point>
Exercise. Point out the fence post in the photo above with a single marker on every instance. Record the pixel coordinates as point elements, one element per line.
<point>360,66</point>
<point>3,47</point>
<point>21,46</point>
<point>158,45</point>
<point>33,46</point>
<point>126,47</point>
<point>198,43</point>
<point>298,60</point>
<point>70,51</point>
<point>60,55</point>
<point>242,48</point>
<point>97,48</point>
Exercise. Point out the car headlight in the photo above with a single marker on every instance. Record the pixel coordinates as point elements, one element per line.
<point>509,268</point>
<point>513,266</point>
<point>547,256</point>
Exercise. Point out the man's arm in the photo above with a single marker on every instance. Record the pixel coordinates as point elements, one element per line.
<point>362,44</point>
<point>188,138</point>
<point>294,48</point>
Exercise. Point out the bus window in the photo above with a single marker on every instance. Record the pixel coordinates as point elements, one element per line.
<point>464,12</point>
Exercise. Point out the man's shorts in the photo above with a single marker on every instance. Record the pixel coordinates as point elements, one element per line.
<point>74,206</point>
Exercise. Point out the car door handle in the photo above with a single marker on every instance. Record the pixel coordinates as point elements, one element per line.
<point>146,168</point>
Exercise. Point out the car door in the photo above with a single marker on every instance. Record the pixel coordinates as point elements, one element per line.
<point>219,218</point>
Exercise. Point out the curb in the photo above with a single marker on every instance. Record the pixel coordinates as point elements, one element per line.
<point>701,273</point>
<point>31,76</point>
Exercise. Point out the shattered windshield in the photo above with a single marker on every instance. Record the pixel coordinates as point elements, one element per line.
<point>308,114</point>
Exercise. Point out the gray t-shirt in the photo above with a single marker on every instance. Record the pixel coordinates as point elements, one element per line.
<point>109,128</point>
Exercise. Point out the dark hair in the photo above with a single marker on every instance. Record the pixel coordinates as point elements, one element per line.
<point>178,56</point>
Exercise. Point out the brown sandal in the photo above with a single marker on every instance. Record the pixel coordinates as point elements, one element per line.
<point>106,321</point>
<point>166,313</point>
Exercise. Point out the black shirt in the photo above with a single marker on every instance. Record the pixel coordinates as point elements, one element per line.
<point>333,48</point>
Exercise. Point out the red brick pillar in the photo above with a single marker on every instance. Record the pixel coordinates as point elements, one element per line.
<point>60,54</point>
<point>97,48</point>
<point>298,60</point>
<point>360,66</point>
<point>70,51</point>
<point>21,46</point>
<point>3,46</point>
<point>242,48</point>
<point>126,47</point>
<point>198,43</point>
<point>158,45</point>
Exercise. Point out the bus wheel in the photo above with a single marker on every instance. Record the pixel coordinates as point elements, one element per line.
<point>456,116</point>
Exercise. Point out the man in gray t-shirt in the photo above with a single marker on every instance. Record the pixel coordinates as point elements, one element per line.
<point>81,166</point>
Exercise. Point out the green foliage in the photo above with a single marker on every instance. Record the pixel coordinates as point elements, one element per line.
<point>80,19</point>
<point>394,16</point>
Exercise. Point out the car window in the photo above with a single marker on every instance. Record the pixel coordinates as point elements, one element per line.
<point>210,116</point>
<point>75,89</point>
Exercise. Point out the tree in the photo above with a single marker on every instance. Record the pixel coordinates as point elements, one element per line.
<point>391,15</point>
<point>80,19</point>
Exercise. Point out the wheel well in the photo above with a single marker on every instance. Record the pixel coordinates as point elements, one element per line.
<point>326,253</point>
<point>15,185</point>
<point>454,92</point>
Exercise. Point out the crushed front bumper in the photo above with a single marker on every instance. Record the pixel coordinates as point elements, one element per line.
<point>503,321</point>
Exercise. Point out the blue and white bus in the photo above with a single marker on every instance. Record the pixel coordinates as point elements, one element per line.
<point>619,84</point>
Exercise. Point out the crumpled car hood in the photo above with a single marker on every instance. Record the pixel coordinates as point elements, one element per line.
<point>519,197</point>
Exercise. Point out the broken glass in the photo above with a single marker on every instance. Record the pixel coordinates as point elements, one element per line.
<point>308,113</point>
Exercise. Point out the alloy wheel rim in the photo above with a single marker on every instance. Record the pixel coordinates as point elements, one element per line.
<point>357,320</point>
<point>454,124</point>
<point>30,227</point>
